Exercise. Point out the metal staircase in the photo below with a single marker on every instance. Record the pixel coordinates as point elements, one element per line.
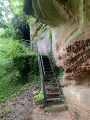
<point>53,98</point>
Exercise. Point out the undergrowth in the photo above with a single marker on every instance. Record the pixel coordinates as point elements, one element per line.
<point>18,66</point>
<point>38,96</point>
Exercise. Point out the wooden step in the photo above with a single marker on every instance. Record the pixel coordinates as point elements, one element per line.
<point>47,65</point>
<point>49,79</point>
<point>53,99</point>
<point>53,93</point>
<point>48,75</point>
<point>51,88</point>
<point>46,57</point>
<point>48,68</point>
<point>46,62</point>
<point>50,83</point>
<point>49,71</point>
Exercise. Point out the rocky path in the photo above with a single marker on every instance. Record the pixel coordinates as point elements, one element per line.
<point>23,108</point>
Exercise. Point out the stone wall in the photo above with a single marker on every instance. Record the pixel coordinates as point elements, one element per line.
<point>78,101</point>
<point>39,36</point>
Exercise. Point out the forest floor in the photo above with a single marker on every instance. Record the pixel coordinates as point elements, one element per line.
<point>24,107</point>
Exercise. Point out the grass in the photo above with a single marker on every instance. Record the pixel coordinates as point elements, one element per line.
<point>13,63</point>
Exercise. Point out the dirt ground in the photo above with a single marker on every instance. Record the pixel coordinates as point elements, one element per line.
<point>23,107</point>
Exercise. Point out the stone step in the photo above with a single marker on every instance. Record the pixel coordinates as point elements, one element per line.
<point>57,107</point>
<point>53,99</point>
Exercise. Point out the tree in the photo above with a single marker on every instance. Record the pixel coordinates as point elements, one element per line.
<point>8,9</point>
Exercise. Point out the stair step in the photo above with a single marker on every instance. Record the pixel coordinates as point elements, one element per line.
<point>47,75</point>
<point>52,81</point>
<point>49,83</point>
<point>46,62</point>
<point>53,99</point>
<point>58,107</point>
<point>45,57</point>
<point>61,86</point>
<point>49,79</point>
<point>48,68</point>
<point>49,71</point>
<point>53,93</point>
<point>51,88</point>
<point>47,65</point>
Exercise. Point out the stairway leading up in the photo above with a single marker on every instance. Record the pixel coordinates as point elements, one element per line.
<point>53,97</point>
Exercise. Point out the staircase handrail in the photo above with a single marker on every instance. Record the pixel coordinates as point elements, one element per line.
<point>42,71</point>
<point>57,82</point>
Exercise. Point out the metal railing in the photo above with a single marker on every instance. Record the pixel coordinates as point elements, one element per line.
<point>42,72</point>
<point>57,82</point>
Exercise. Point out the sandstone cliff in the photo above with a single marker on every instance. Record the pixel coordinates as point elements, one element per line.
<point>70,23</point>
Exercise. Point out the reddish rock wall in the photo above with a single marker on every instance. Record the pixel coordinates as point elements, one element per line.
<point>73,56</point>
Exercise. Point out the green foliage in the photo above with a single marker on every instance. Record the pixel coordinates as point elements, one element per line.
<point>50,39</point>
<point>58,71</point>
<point>9,9</point>
<point>25,65</point>
<point>17,66</point>
<point>34,78</point>
<point>19,20</point>
<point>38,95</point>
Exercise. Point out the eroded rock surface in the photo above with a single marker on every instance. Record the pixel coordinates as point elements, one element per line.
<point>76,62</point>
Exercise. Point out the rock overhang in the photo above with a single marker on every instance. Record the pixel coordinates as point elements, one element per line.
<point>70,23</point>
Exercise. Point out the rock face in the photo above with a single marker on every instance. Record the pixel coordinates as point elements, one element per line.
<point>76,62</point>
<point>39,36</point>
<point>70,26</point>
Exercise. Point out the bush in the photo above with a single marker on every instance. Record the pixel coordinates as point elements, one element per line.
<point>38,96</point>
<point>25,65</point>
<point>17,64</point>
